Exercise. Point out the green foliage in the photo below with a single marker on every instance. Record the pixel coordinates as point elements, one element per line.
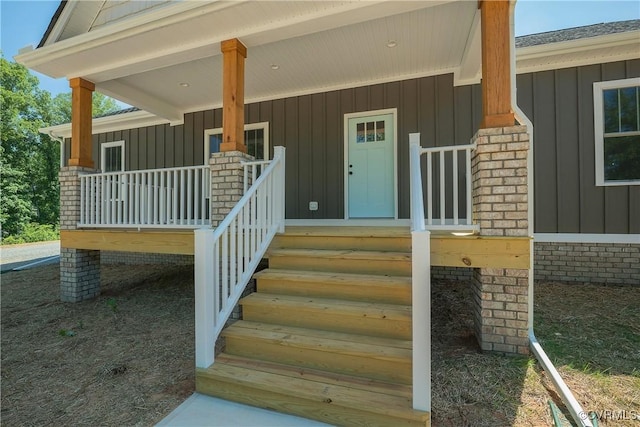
<point>61,107</point>
<point>66,333</point>
<point>33,232</point>
<point>112,304</point>
<point>30,161</point>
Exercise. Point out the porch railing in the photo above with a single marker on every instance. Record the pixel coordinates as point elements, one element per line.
<point>226,257</point>
<point>154,198</point>
<point>448,179</point>
<point>420,284</point>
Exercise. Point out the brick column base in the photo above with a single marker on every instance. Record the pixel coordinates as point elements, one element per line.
<point>79,269</point>
<point>227,182</point>
<point>79,274</point>
<point>501,208</point>
<point>501,309</point>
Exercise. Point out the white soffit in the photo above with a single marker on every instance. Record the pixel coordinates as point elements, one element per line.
<point>348,56</point>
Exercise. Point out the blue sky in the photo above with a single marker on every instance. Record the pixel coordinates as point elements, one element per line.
<point>24,22</point>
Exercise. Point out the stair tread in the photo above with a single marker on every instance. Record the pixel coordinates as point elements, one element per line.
<point>332,277</point>
<point>315,389</point>
<point>341,254</point>
<point>352,344</point>
<point>367,309</point>
<point>369,384</point>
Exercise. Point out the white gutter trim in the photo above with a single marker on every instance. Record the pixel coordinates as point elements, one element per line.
<point>587,238</point>
<point>117,31</point>
<point>112,123</point>
<point>576,411</point>
<point>579,45</point>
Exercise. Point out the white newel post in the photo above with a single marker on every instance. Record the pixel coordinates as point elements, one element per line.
<point>205,297</point>
<point>421,323</point>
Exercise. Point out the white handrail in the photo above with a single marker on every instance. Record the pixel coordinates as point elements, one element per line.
<point>152,198</point>
<point>420,284</point>
<point>226,257</point>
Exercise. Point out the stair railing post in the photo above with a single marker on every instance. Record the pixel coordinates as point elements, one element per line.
<point>204,297</point>
<point>421,321</point>
<point>279,153</point>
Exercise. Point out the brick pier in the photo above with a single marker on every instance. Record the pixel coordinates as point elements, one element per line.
<point>500,206</point>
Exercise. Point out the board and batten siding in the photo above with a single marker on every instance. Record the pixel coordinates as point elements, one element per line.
<point>311,127</point>
<point>560,105</point>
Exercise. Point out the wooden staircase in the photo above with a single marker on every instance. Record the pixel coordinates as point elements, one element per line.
<point>328,334</point>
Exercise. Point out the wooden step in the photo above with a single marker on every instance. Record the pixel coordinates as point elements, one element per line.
<point>397,239</point>
<point>342,261</point>
<point>355,287</point>
<point>362,356</point>
<point>312,394</point>
<point>372,319</point>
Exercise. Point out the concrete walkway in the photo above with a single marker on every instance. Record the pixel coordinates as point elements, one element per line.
<point>27,254</point>
<point>205,411</point>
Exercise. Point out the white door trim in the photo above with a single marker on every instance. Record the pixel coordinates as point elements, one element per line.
<point>394,113</point>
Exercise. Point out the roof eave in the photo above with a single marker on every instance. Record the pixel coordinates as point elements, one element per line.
<point>133,120</point>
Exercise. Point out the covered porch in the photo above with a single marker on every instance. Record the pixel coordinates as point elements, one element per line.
<point>302,59</point>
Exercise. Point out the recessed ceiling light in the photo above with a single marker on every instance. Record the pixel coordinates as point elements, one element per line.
<point>392,43</point>
<point>275,67</point>
<point>184,84</point>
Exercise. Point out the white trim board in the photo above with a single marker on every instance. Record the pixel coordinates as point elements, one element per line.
<point>598,125</point>
<point>345,142</point>
<point>249,126</point>
<point>586,238</point>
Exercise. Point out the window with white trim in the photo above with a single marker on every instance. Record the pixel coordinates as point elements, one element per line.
<point>256,138</point>
<point>617,131</point>
<point>112,156</point>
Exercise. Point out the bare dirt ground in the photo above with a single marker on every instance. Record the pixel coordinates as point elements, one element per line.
<point>126,358</point>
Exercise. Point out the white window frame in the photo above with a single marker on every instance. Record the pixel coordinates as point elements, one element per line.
<point>598,120</point>
<point>103,149</point>
<point>253,126</point>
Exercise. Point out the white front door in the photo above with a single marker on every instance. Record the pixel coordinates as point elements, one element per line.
<point>370,167</point>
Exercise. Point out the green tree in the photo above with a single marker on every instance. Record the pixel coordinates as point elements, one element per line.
<point>61,107</point>
<point>24,107</point>
<point>29,161</point>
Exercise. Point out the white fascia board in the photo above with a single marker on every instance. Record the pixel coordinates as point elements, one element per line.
<point>133,120</point>
<point>117,31</point>
<point>549,56</point>
<point>579,45</point>
<point>586,238</point>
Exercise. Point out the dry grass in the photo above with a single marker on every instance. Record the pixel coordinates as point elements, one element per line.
<point>130,359</point>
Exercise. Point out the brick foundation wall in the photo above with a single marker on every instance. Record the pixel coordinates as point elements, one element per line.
<point>132,258</point>
<point>611,263</point>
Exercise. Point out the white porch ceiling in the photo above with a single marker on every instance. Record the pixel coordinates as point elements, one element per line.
<point>317,46</point>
